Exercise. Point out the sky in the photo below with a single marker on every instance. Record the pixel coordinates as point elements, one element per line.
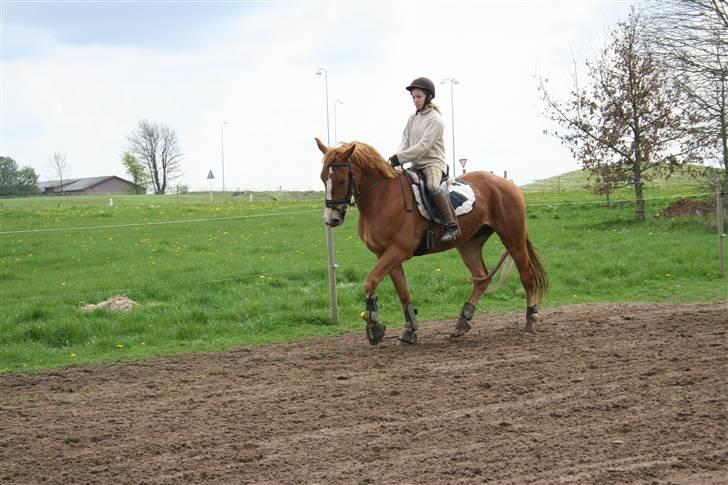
<point>238,79</point>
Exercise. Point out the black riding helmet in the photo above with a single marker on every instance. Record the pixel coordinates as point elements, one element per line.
<point>424,84</point>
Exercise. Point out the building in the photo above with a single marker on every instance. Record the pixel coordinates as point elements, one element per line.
<point>111,184</point>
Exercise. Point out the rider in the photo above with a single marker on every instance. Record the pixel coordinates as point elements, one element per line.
<point>423,145</point>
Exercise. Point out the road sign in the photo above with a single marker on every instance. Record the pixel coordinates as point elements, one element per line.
<point>210,176</point>
<point>463,161</point>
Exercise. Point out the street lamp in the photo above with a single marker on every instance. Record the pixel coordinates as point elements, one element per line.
<point>338,101</point>
<point>322,72</point>
<point>222,152</point>
<point>329,232</point>
<point>452,81</point>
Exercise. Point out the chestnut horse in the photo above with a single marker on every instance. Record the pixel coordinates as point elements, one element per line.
<point>356,173</point>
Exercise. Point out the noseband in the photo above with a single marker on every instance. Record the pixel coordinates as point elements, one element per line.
<point>351,192</point>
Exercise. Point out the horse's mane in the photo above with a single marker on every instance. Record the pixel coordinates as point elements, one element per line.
<point>364,155</point>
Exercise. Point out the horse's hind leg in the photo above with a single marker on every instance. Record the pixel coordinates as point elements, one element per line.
<point>400,284</point>
<point>521,258</point>
<point>471,251</point>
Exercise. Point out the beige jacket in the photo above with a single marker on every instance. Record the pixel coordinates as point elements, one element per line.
<point>422,140</point>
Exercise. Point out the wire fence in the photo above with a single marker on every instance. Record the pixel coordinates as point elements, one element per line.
<point>309,211</point>
<point>252,276</point>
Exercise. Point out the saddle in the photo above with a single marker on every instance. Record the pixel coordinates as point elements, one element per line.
<point>460,194</point>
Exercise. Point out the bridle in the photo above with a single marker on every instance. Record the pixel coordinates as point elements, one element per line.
<point>352,191</point>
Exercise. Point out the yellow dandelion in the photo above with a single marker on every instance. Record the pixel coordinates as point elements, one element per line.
<point>73,355</point>
<point>120,346</point>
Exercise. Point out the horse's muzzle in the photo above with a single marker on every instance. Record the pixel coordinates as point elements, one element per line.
<point>334,217</point>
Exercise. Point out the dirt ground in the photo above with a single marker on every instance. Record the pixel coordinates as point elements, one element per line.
<point>607,393</point>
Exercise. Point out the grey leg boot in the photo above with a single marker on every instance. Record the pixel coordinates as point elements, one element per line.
<point>451,230</point>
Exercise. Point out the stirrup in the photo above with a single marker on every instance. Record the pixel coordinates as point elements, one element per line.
<point>450,233</point>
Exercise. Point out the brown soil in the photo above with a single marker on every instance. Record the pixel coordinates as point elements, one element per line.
<point>115,304</point>
<point>607,393</point>
<point>686,207</point>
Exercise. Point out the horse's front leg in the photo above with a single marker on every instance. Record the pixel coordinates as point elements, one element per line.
<point>400,284</point>
<point>391,258</point>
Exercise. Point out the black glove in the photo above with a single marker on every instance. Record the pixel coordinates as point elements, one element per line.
<point>393,160</point>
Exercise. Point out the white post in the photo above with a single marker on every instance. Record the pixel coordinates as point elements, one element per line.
<point>329,232</point>
<point>222,152</point>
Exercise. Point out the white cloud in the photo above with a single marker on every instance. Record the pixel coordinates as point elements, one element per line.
<point>257,72</point>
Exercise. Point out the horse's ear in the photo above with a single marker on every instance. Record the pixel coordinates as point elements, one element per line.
<point>347,154</point>
<point>321,146</point>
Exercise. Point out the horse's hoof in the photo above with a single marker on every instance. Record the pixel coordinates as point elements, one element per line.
<point>461,328</point>
<point>408,337</point>
<point>531,320</point>
<point>375,333</point>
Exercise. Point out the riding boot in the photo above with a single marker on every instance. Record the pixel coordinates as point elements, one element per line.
<point>450,230</point>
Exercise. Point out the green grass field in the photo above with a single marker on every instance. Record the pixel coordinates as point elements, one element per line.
<point>231,272</point>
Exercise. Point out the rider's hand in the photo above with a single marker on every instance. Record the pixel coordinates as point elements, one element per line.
<point>393,160</point>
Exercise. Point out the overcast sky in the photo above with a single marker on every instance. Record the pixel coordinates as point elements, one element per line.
<point>78,76</point>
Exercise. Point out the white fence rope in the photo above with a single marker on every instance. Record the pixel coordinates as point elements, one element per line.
<point>142,224</point>
<point>247,276</point>
<point>276,214</point>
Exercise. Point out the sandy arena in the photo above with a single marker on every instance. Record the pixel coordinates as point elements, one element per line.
<point>606,393</point>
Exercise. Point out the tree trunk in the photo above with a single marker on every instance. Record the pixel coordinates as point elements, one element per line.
<point>639,211</point>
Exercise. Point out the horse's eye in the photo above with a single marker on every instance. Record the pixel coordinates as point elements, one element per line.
<point>340,182</point>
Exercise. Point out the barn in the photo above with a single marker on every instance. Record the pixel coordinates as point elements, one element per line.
<point>110,184</point>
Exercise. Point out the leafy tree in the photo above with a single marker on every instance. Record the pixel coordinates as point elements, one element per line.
<point>156,145</point>
<point>136,171</point>
<point>627,124</point>
<point>691,37</point>
<point>59,166</point>
<point>15,180</point>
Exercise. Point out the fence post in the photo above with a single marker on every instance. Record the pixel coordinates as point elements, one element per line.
<point>332,274</point>
<point>721,234</point>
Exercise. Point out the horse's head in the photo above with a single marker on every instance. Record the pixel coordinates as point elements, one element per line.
<point>338,179</point>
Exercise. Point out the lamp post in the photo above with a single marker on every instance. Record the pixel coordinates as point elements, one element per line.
<point>452,81</point>
<point>329,232</point>
<point>338,101</point>
<point>222,151</point>
<point>322,72</point>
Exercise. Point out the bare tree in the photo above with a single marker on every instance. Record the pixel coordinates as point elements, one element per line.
<point>59,166</point>
<point>626,125</point>
<point>691,37</point>
<point>156,145</point>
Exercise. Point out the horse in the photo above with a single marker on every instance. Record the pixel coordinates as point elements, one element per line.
<point>355,173</point>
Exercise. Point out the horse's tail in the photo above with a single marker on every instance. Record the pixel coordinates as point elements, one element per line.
<point>541,286</point>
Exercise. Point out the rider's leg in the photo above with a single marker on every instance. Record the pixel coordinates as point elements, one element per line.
<point>433,175</point>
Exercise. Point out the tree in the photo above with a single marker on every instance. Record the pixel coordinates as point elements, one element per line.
<point>59,166</point>
<point>691,37</point>
<point>627,124</point>
<point>156,145</point>
<point>136,172</point>
<point>15,180</point>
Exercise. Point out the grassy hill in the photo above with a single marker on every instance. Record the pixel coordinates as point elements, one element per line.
<point>688,178</point>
